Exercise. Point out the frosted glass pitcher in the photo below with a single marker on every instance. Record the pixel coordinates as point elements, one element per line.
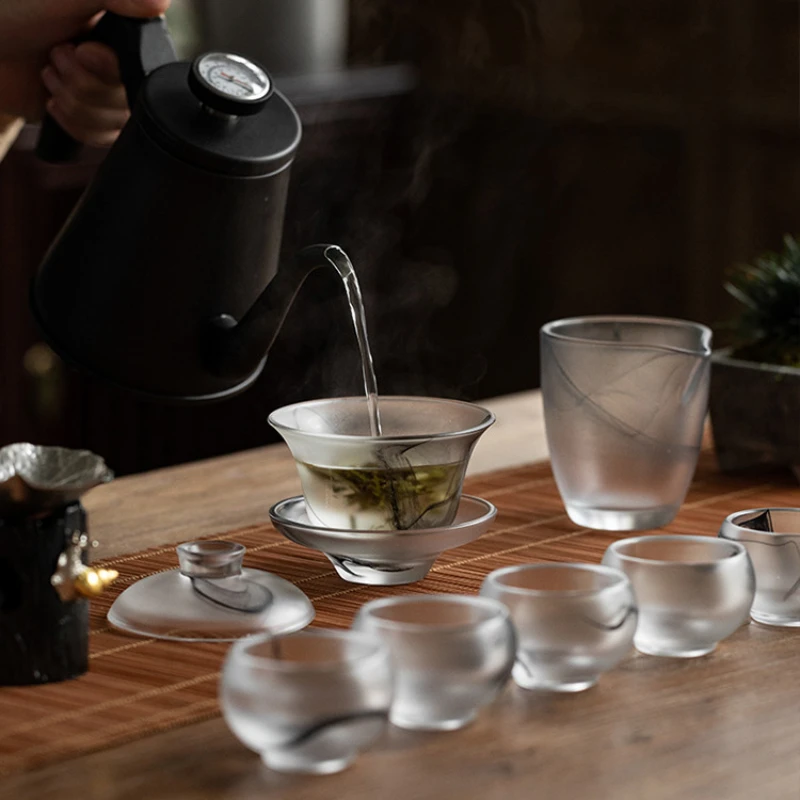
<point>625,400</point>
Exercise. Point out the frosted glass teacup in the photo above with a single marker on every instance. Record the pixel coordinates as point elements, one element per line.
<point>692,591</point>
<point>574,621</point>
<point>772,539</point>
<point>307,702</point>
<point>452,655</point>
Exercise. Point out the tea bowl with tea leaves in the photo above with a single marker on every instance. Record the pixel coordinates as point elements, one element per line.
<point>382,506</point>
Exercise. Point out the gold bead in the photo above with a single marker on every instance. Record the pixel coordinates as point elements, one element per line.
<point>92,582</point>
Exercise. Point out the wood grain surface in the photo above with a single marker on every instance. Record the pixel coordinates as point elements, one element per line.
<point>723,726</point>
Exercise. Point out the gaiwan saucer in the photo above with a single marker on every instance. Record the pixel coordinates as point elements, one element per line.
<point>388,557</point>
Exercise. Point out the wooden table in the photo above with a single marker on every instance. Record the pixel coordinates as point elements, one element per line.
<point>652,729</point>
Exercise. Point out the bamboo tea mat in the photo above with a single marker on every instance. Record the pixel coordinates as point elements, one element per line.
<point>136,687</point>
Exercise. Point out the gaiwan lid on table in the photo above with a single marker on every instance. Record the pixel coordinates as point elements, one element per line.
<point>210,597</point>
<point>35,479</point>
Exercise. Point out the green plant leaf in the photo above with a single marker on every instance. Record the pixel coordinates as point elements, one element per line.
<point>768,326</point>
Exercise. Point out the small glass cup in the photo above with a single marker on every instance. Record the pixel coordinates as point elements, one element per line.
<point>573,621</point>
<point>692,591</point>
<point>772,539</point>
<point>452,655</point>
<point>409,477</point>
<point>624,404</point>
<point>308,702</point>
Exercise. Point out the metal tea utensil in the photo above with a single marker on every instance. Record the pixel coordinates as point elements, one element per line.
<point>45,579</point>
<point>35,479</point>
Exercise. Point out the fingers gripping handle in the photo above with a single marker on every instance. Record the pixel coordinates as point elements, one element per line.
<point>141,46</point>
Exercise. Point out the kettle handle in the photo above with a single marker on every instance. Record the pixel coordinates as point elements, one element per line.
<point>141,46</point>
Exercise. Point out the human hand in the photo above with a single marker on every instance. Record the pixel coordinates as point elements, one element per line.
<point>86,97</point>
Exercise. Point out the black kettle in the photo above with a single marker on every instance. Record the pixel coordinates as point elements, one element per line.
<point>165,279</point>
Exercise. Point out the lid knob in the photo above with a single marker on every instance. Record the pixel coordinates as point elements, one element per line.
<point>210,559</point>
<point>230,84</point>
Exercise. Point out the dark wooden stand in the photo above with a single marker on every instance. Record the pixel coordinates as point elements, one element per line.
<point>42,638</point>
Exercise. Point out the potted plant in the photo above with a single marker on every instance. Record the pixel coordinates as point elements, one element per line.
<point>755,383</point>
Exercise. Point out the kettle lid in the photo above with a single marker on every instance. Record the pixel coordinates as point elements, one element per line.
<point>220,113</point>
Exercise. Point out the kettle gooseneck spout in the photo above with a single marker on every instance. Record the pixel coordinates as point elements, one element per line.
<point>233,349</point>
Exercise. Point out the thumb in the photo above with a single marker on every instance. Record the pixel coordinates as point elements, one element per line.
<point>137,8</point>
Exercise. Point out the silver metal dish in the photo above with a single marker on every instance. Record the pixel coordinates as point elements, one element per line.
<point>34,478</point>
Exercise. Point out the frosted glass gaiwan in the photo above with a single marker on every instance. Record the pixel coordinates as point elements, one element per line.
<point>408,478</point>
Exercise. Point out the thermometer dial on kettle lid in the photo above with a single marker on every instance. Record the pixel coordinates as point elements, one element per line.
<point>230,84</point>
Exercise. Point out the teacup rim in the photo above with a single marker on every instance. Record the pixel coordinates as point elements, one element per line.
<point>731,520</point>
<point>739,549</point>
<point>501,609</point>
<point>604,569</point>
<point>239,651</point>
<point>488,420</point>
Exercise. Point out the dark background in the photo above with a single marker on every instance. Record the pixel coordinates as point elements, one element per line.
<point>489,165</point>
